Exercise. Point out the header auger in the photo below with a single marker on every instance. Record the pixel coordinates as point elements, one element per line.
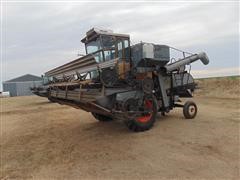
<point>118,81</point>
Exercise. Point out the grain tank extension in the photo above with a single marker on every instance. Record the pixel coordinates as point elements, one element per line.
<point>118,81</point>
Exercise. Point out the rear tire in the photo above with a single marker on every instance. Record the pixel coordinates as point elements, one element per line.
<point>101,117</point>
<point>51,100</point>
<point>190,110</point>
<point>141,123</point>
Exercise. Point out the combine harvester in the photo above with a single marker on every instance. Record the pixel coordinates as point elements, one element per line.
<point>118,81</point>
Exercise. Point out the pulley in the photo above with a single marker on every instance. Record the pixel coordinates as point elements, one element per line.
<point>147,85</point>
<point>108,77</point>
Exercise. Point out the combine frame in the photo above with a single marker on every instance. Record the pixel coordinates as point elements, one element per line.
<point>118,81</point>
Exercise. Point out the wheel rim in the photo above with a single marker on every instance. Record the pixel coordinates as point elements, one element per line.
<point>192,110</point>
<point>148,105</point>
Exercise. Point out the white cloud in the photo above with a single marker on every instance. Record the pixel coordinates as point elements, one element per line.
<point>45,35</point>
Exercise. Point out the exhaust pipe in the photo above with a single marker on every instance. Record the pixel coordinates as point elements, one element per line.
<point>188,60</point>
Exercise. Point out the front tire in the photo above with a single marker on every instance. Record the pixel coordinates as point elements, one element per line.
<point>101,117</point>
<point>147,120</point>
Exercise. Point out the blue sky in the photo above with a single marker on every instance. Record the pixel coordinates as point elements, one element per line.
<point>39,36</point>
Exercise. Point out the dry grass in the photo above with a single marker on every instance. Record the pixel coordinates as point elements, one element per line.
<point>223,87</point>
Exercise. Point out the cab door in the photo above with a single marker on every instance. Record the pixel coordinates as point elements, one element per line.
<point>123,53</point>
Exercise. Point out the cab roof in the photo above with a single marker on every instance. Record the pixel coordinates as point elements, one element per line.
<point>94,33</point>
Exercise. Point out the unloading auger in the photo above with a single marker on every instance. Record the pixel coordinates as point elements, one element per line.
<point>118,81</point>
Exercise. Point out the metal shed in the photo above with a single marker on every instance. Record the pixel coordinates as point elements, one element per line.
<point>20,86</point>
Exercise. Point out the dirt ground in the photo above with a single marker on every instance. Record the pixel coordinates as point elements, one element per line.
<point>44,140</point>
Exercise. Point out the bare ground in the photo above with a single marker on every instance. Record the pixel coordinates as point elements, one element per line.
<point>43,140</point>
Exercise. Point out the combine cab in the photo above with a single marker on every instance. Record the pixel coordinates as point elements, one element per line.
<point>118,81</point>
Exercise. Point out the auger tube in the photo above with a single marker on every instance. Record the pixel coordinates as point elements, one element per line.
<point>188,60</point>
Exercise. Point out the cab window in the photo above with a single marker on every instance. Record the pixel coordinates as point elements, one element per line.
<point>127,49</point>
<point>98,56</point>
<point>109,54</point>
<point>93,46</point>
<point>120,49</point>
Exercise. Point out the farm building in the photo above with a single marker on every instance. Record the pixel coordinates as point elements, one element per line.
<point>20,86</point>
